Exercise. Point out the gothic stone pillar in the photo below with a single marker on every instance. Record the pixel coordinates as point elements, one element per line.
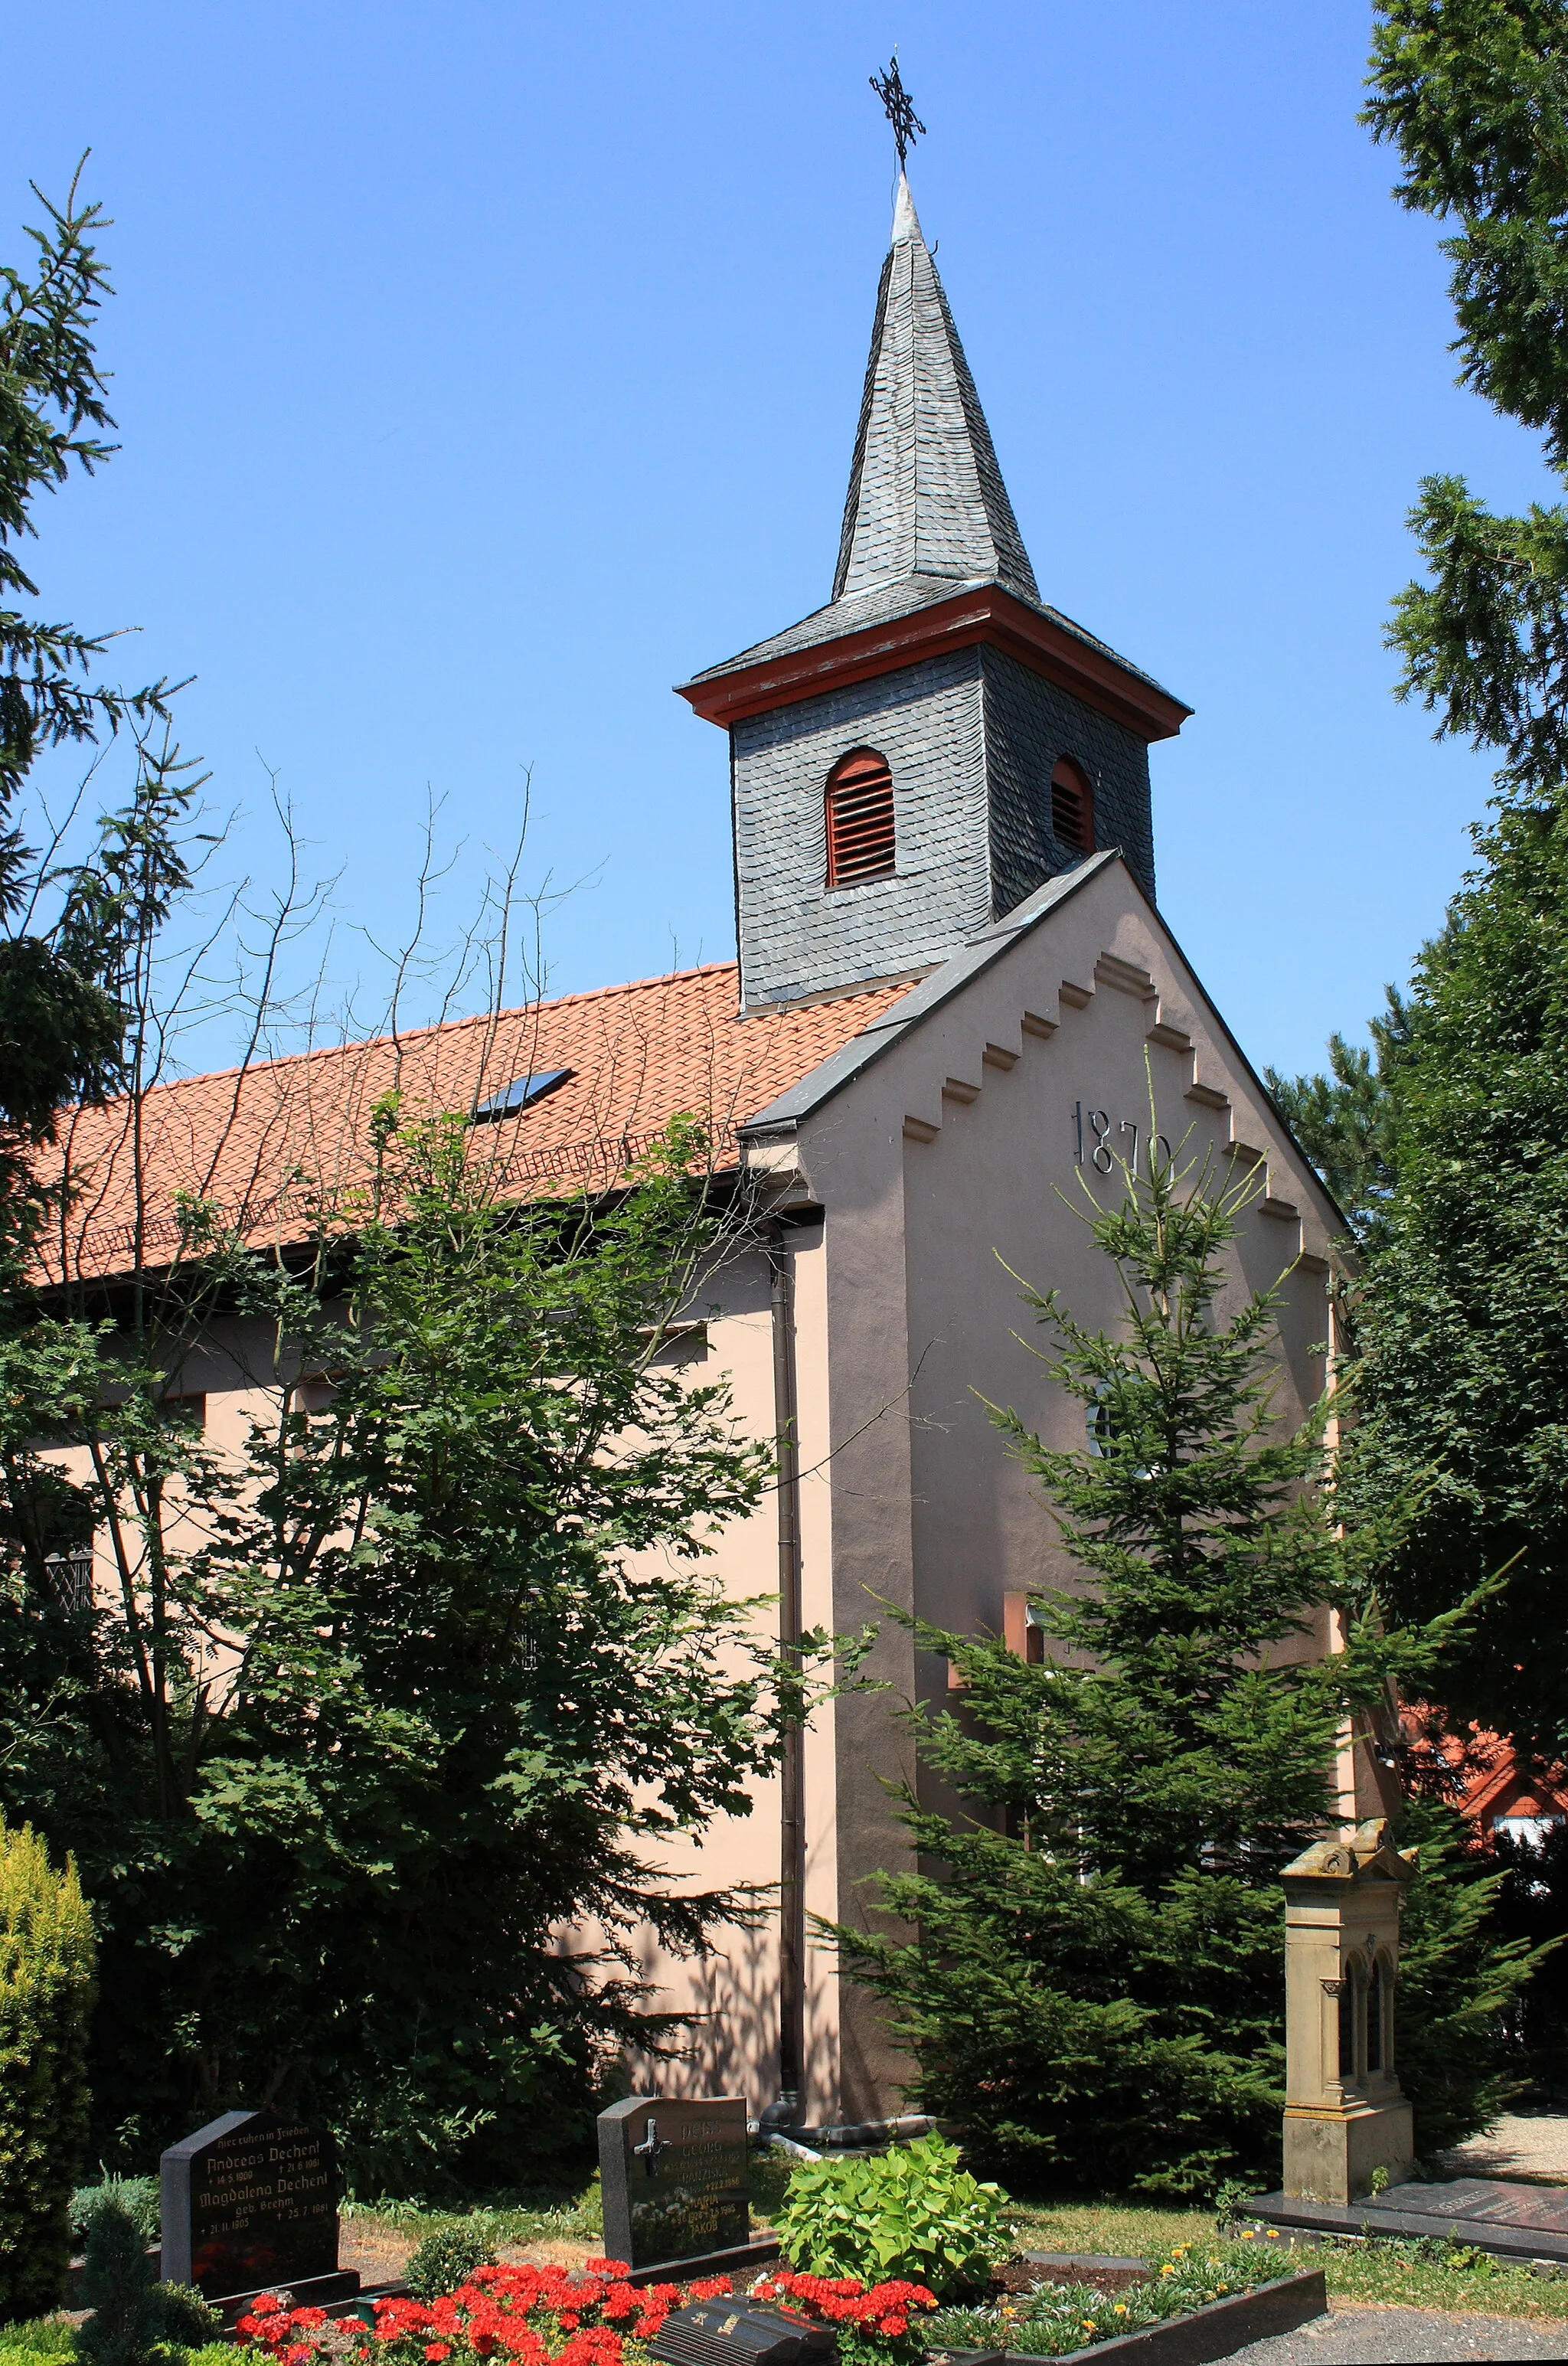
<point>1345,2116</point>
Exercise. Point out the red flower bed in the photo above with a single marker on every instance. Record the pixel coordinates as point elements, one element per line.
<point>845,2300</point>
<point>534,2316</point>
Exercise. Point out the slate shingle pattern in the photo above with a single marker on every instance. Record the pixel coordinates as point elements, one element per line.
<point>925,496</point>
<point>970,735</point>
<point>261,1142</point>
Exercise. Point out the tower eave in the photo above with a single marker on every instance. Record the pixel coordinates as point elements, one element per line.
<point>985,614</point>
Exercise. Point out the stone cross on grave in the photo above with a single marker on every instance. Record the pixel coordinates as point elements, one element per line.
<point>651,2146</point>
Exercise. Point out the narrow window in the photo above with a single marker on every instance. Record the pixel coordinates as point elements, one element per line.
<point>1376,2015</point>
<point>860,818</point>
<point>1072,809</point>
<point>1352,2027</point>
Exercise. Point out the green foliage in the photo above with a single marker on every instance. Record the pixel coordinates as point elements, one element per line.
<point>137,2194</point>
<point>1463,1324</point>
<point>61,1014</point>
<point>120,2288</point>
<point>1347,1121</point>
<point>46,1995</point>
<point>135,2320</point>
<point>39,2336</point>
<point>1461,1983</point>
<point>483,1670</point>
<point>1056,2319</point>
<point>1474,95</point>
<point>443,2261</point>
<point>1463,1383</point>
<point>1096,1988</point>
<point>912,2214</point>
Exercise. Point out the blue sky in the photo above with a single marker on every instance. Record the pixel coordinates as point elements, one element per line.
<point>481,371</point>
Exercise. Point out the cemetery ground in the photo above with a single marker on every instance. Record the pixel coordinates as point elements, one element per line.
<point>564,2227</point>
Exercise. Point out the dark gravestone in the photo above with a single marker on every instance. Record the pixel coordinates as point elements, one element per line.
<point>1517,2222</point>
<point>673,2177</point>
<point>250,2202</point>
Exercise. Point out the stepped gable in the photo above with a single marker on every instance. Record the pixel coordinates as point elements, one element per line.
<point>259,1141</point>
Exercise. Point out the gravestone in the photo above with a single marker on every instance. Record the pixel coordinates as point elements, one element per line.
<point>674,2178</point>
<point>250,2203</point>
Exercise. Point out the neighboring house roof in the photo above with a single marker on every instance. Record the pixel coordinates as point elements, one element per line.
<point>260,1141</point>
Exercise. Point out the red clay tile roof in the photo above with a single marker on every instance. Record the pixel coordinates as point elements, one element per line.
<point>257,1140</point>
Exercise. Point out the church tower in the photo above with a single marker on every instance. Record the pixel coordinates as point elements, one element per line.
<point>912,760</point>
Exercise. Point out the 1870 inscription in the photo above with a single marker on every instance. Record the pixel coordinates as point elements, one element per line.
<point>250,2200</point>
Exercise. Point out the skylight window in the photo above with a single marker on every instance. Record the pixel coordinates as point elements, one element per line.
<point>519,1095</point>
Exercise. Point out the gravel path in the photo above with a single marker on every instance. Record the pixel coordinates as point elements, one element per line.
<point>1516,2146</point>
<point>1403,2336</point>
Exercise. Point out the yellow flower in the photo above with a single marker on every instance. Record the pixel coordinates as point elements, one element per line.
<point>1247,2232</point>
<point>1273,2234</point>
<point>1222,2287</point>
<point>1120,2308</point>
<point>1167,2270</point>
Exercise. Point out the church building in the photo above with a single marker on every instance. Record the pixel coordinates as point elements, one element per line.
<point>952,998</point>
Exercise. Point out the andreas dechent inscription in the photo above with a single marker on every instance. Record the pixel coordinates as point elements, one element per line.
<point>673,2177</point>
<point>250,2200</point>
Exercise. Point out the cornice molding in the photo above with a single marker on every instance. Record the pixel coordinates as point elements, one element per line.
<point>989,615</point>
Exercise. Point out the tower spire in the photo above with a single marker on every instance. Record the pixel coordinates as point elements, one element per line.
<point>926,497</point>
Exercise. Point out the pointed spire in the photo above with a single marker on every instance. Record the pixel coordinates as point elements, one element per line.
<point>925,496</point>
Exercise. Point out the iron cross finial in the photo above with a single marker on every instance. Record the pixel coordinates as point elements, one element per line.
<point>898,108</point>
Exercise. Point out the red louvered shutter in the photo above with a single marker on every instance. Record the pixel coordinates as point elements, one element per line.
<point>859,820</point>
<point>1072,808</point>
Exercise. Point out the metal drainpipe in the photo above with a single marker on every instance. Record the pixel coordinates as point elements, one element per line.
<point>792,1771</point>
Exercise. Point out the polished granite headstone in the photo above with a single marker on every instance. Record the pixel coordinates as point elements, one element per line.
<point>674,2178</point>
<point>1516,2222</point>
<point>250,2202</point>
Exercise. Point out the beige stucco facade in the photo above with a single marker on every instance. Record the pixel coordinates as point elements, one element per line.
<point>955,1155</point>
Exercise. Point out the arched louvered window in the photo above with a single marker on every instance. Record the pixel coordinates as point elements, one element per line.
<point>1072,809</point>
<point>860,818</point>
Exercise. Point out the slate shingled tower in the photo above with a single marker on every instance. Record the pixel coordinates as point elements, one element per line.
<point>1015,742</point>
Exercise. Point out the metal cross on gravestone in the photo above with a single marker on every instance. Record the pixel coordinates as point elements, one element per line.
<point>673,2174</point>
<point>652,2145</point>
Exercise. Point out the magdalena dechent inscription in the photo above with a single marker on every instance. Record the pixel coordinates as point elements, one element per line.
<point>248,2200</point>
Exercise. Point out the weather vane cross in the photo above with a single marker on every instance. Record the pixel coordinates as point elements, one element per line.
<point>898,108</point>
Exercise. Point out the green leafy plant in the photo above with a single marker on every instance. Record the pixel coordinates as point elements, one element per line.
<point>1055,2319</point>
<point>137,2194</point>
<point>46,1995</point>
<point>135,2319</point>
<point>444,2260</point>
<point>914,2213</point>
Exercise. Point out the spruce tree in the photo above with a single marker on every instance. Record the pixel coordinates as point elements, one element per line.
<point>1464,1110</point>
<point>1095,1988</point>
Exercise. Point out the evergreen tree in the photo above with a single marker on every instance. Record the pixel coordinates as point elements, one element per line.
<point>1096,1987</point>
<point>1347,1121</point>
<point>61,1021</point>
<point>1464,1380</point>
<point>46,1999</point>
